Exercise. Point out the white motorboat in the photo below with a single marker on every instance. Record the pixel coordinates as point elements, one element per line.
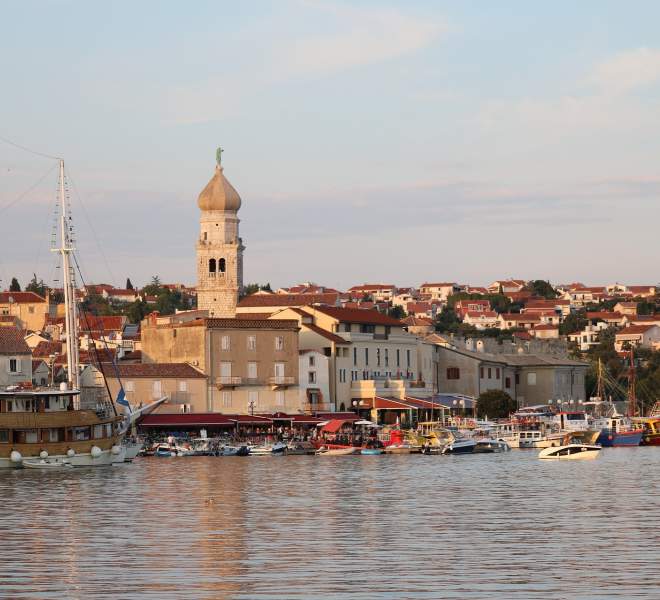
<point>571,452</point>
<point>233,451</point>
<point>325,451</point>
<point>460,446</point>
<point>486,445</point>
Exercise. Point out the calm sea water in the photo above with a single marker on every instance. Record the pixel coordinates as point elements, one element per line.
<point>472,527</point>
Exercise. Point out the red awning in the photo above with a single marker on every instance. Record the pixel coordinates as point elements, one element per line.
<point>185,420</point>
<point>334,426</point>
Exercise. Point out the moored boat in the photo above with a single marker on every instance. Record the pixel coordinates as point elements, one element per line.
<point>334,450</point>
<point>650,430</point>
<point>485,445</point>
<point>371,451</point>
<point>460,447</point>
<point>571,452</point>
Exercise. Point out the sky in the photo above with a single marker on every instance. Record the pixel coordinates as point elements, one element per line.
<point>391,142</point>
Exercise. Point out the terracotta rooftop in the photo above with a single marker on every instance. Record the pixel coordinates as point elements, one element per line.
<point>603,314</point>
<point>358,315</point>
<point>635,330</point>
<point>328,335</point>
<point>441,284</point>
<point>275,300</point>
<point>519,317</point>
<point>12,341</point>
<point>20,297</point>
<point>418,321</point>
<point>371,286</point>
<point>252,323</point>
<point>46,348</point>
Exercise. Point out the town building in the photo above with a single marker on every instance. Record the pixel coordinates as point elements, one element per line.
<point>588,337</point>
<point>15,358</point>
<point>529,379</point>
<point>504,286</point>
<point>439,290</point>
<point>29,309</point>
<point>266,304</point>
<point>638,336</point>
<point>462,307</point>
<point>486,319</point>
<point>378,292</point>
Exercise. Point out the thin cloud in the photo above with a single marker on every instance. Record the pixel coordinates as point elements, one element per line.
<point>627,71</point>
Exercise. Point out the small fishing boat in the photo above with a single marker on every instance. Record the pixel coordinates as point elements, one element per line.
<point>300,449</point>
<point>371,451</point>
<point>165,451</point>
<point>650,430</point>
<point>571,452</point>
<point>46,464</point>
<point>337,450</point>
<point>402,448</point>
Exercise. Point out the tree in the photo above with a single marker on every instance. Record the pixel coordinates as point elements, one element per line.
<point>129,285</point>
<point>575,321</point>
<point>155,281</point>
<point>495,404</point>
<point>38,287</point>
<point>136,311</point>
<point>252,288</point>
<point>14,286</point>
<point>397,312</point>
<point>538,287</point>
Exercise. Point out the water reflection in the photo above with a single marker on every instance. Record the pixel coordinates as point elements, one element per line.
<point>499,526</point>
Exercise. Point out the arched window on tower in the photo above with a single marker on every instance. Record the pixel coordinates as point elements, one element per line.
<point>221,265</point>
<point>212,266</point>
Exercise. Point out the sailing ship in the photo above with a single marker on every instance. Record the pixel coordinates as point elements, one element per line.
<point>53,426</point>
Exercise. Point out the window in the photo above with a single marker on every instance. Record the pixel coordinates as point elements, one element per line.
<point>278,369</point>
<point>98,432</point>
<point>481,372</point>
<point>312,360</point>
<point>398,357</point>
<point>252,370</point>
<point>279,343</point>
<point>129,386</point>
<point>387,357</point>
<point>367,328</point>
<point>279,398</point>
<point>490,373</point>
<point>226,399</point>
<point>252,342</point>
<point>13,365</point>
<point>225,370</point>
<point>206,236</point>
<point>347,327</point>
<point>4,436</point>
<point>507,382</point>
<point>366,356</point>
<point>497,373</point>
<point>311,377</point>
<point>354,357</point>
<point>407,358</point>
<point>183,386</point>
<point>531,378</point>
<point>31,309</point>
<point>225,342</point>
<point>453,373</point>
<point>378,357</point>
<point>221,265</point>
<point>212,266</point>
<point>517,378</point>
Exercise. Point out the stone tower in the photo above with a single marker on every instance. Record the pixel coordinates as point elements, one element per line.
<point>219,248</point>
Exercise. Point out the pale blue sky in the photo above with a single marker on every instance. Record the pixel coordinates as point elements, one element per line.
<point>370,141</point>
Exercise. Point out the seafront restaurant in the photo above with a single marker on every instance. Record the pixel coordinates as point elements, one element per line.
<point>409,411</point>
<point>238,426</point>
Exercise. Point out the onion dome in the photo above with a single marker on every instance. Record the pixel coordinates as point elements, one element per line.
<point>219,194</point>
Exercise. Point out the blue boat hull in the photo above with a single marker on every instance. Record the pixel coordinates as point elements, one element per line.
<point>612,439</point>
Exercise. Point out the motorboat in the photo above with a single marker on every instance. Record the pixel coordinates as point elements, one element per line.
<point>460,446</point>
<point>233,451</point>
<point>300,449</point>
<point>166,451</point>
<point>617,430</point>
<point>571,452</point>
<point>489,445</point>
<point>47,464</point>
<point>402,448</point>
<point>651,430</point>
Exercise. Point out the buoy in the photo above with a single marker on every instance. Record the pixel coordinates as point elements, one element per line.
<point>15,456</point>
<point>70,452</point>
<point>43,454</point>
<point>96,452</point>
<point>115,450</point>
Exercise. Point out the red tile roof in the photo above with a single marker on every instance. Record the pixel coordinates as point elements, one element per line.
<point>253,316</point>
<point>357,315</point>
<point>520,317</point>
<point>47,348</point>
<point>252,324</point>
<point>545,327</point>
<point>12,341</point>
<point>151,370</point>
<point>477,314</point>
<point>326,334</point>
<point>418,321</point>
<point>20,297</point>
<point>605,315</point>
<point>275,300</point>
<point>103,324</point>
<point>635,330</point>
<point>371,286</point>
<point>442,284</point>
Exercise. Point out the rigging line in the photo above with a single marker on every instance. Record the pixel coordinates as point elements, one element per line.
<point>49,215</point>
<point>74,187</point>
<point>42,154</point>
<point>26,192</point>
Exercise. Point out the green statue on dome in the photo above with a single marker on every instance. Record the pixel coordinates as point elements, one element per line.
<point>218,155</point>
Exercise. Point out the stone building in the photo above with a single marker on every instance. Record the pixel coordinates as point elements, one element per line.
<point>219,248</point>
<point>30,310</point>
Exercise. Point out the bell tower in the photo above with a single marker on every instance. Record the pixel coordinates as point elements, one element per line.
<point>219,248</point>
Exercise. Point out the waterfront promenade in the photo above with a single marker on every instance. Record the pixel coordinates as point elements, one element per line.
<point>473,527</point>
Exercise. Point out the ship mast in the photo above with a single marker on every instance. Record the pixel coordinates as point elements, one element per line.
<point>70,316</point>
<point>632,396</point>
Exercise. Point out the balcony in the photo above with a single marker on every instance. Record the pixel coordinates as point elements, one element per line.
<point>225,381</point>
<point>180,398</point>
<point>281,380</point>
<point>318,407</point>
